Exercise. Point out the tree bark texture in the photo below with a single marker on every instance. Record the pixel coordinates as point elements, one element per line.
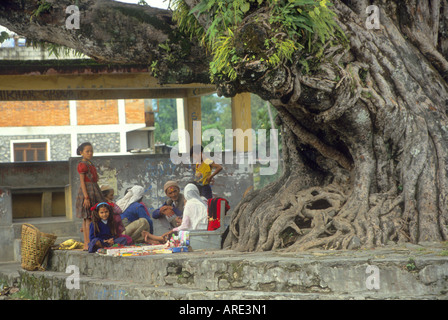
<point>365,136</point>
<point>372,126</point>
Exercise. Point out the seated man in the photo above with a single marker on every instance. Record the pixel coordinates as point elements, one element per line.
<point>135,217</point>
<point>171,211</point>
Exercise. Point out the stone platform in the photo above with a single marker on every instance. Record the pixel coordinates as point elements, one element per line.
<point>399,272</point>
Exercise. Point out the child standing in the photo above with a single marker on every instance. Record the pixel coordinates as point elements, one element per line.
<point>89,192</point>
<point>203,172</point>
<point>102,230</point>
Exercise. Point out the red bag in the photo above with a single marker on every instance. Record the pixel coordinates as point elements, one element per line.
<point>215,208</point>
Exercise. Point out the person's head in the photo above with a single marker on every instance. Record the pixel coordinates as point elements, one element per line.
<point>172,190</point>
<point>108,193</point>
<point>196,153</point>
<point>85,150</point>
<point>137,193</point>
<point>102,211</point>
<point>191,192</point>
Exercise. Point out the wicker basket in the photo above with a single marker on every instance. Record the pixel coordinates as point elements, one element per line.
<point>35,246</point>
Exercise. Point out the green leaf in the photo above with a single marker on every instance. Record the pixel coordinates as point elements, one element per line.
<point>4,36</point>
<point>245,7</point>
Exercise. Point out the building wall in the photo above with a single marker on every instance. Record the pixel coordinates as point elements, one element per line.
<point>66,124</point>
<point>31,184</point>
<point>34,174</point>
<point>134,111</point>
<point>34,113</point>
<point>98,112</point>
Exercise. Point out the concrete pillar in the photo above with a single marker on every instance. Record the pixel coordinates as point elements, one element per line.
<point>5,207</point>
<point>47,199</point>
<point>182,125</point>
<point>73,123</point>
<point>188,118</point>
<point>241,119</point>
<point>68,202</point>
<point>122,123</point>
<point>194,115</point>
<point>6,229</point>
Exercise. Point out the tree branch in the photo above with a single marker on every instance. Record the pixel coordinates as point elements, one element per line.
<point>115,32</point>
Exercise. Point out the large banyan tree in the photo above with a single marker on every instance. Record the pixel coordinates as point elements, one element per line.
<point>361,89</point>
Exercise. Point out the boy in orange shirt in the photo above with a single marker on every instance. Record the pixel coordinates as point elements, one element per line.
<point>203,172</point>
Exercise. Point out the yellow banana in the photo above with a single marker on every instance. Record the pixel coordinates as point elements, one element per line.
<point>76,245</point>
<point>67,243</point>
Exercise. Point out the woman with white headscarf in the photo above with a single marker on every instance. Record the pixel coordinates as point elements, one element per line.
<point>195,215</point>
<point>135,217</point>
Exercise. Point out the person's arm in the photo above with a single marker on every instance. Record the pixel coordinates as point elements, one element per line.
<point>109,241</point>
<point>91,232</point>
<point>86,202</point>
<point>141,212</point>
<point>185,224</point>
<point>217,168</point>
<point>156,214</point>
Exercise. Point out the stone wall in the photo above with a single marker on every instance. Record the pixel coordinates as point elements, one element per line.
<point>101,142</point>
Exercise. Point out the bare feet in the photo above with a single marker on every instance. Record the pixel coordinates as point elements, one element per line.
<point>146,236</point>
<point>152,239</point>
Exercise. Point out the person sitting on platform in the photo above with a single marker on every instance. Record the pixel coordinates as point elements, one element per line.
<point>108,193</point>
<point>102,230</point>
<point>172,209</point>
<point>135,217</point>
<point>195,215</point>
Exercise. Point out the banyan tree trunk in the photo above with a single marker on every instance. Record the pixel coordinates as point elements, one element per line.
<point>365,139</point>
